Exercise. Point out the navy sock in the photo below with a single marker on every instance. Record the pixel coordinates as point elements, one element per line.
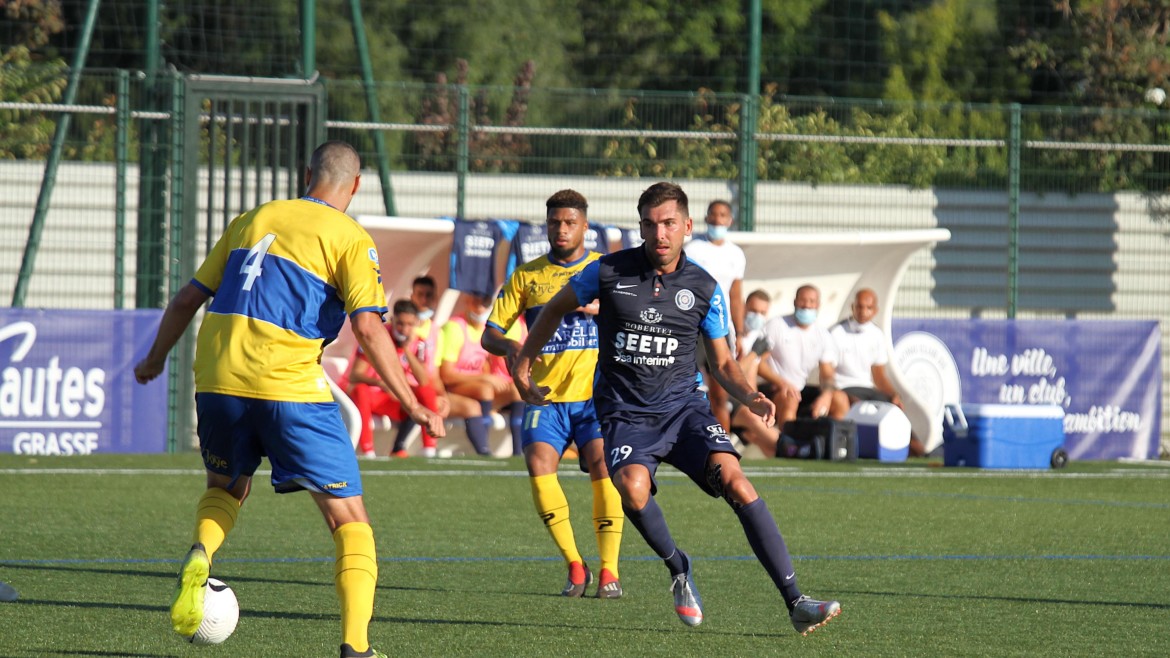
<point>769,547</point>
<point>477,433</point>
<point>652,525</point>
<point>477,429</point>
<point>404,429</point>
<point>516,421</point>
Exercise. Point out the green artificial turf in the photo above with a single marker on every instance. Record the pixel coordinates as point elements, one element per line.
<point>925,560</point>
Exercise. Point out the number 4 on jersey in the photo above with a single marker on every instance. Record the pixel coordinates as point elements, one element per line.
<point>255,258</point>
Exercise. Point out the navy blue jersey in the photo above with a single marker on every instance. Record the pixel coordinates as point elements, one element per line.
<point>473,256</point>
<point>649,327</point>
<point>529,243</point>
<point>597,238</point>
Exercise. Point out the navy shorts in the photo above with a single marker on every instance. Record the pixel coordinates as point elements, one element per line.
<point>684,438</point>
<point>306,443</point>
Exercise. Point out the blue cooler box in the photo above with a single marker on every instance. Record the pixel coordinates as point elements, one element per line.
<point>1003,436</point>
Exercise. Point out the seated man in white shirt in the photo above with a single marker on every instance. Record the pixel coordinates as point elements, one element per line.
<point>862,357</point>
<point>755,316</point>
<point>862,354</point>
<point>752,346</point>
<point>796,346</point>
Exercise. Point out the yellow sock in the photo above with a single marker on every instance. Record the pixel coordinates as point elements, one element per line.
<point>215,516</point>
<point>607,521</point>
<point>553,508</point>
<point>355,573</point>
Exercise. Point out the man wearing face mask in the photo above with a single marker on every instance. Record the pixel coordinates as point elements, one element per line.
<point>725,262</point>
<point>797,346</point>
<point>371,395</point>
<point>424,295</point>
<point>755,316</point>
<point>752,347</point>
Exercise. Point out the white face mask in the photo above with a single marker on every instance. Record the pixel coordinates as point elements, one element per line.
<point>753,321</point>
<point>399,339</point>
<point>715,232</point>
<point>806,316</point>
<point>480,318</point>
<point>426,314</point>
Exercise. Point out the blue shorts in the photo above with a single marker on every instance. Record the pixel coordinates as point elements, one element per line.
<point>559,423</point>
<point>304,441</point>
<point>684,438</point>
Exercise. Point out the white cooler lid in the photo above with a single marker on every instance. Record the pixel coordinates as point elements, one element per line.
<point>1013,410</point>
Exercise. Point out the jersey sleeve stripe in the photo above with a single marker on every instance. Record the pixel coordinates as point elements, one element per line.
<point>200,286</point>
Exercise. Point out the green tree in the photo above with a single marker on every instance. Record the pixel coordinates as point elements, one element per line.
<point>493,151</point>
<point>1102,53</point>
<point>495,37</point>
<point>337,53</point>
<point>662,44</point>
<point>929,50</point>
<point>26,78</point>
<point>1106,55</point>
<point>786,49</point>
<point>818,142</point>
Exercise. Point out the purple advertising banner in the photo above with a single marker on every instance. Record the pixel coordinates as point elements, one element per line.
<point>1105,374</point>
<point>67,383</point>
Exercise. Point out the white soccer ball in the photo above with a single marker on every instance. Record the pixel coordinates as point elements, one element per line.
<point>221,613</point>
<point>1156,95</point>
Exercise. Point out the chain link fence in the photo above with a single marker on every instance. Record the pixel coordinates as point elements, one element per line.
<point>1054,212</point>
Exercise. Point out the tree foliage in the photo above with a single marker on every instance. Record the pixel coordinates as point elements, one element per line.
<point>495,37</point>
<point>1103,53</point>
<point>1100,54</point>
<point>25,78</point>
<point>805,142</point>
<point>488,151</point>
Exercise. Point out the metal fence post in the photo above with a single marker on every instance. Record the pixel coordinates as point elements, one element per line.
<point>182,357</point>
<point>363,48</point>
<point>748,148</point>
<point>121,155</point>
<point>463,126</point>
<point>50,177</point>
<point>1013,211</point>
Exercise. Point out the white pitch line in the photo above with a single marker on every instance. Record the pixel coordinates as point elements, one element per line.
<point>782,472</point>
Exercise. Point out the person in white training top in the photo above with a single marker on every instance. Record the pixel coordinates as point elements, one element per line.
<point>796,347</point>
<point>726,264</point>
<point>861,353</point>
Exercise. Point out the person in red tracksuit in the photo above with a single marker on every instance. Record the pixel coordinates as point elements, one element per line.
<point>369,394</point>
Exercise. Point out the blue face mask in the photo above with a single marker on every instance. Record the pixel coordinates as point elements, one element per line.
<point>753,321</point>
<point>806,316</point>
<point>716,232</point>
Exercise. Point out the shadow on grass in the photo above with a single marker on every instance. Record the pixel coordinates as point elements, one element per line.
<point>1014,599</point>
<point>83,652</point>
<point>170,575</point>
<point>306,616</point>
<point>229,576</point>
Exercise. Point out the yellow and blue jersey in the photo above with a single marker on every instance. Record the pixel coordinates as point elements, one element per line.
<point>284,276</point>
<point>567,362</point>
